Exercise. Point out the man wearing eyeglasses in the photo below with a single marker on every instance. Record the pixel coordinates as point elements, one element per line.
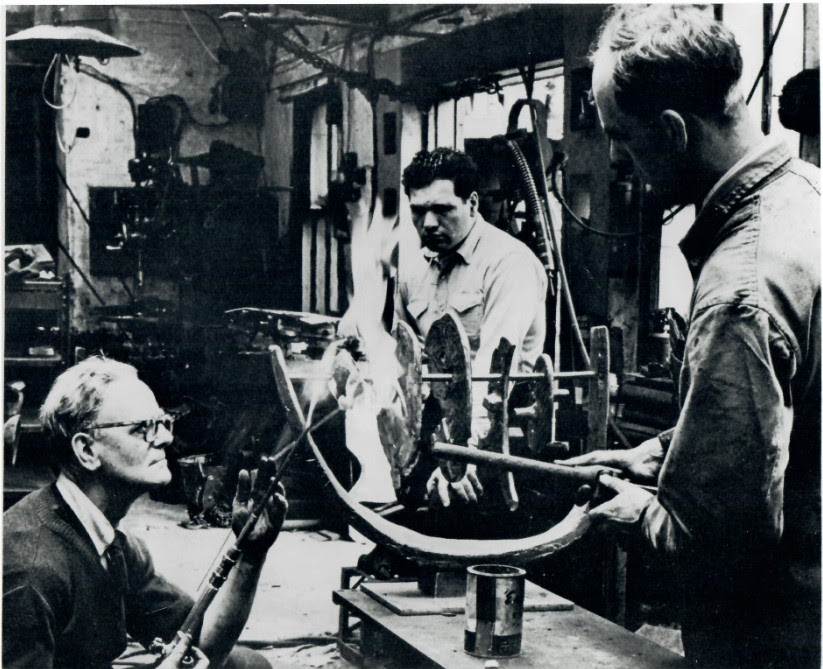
<point>74,586</point>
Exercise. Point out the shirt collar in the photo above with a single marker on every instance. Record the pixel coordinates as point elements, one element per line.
<point>92,519</point>
<point>763,147</point>
<point>464,250</point>
<point>759,163</point>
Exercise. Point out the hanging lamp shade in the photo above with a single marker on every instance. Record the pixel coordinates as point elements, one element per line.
<point>47,40</point>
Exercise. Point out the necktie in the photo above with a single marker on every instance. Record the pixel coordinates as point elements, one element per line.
<point>116,562</point>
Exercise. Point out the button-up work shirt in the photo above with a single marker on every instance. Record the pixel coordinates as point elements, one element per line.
<point>496,285</point>
<point>739,498</point>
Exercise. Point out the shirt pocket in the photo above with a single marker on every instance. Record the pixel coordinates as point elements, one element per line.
<point>417,308</point>
<point>469,307</point>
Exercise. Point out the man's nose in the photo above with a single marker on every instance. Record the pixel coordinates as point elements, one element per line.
<point>162,437</point>
<point>429,221</point>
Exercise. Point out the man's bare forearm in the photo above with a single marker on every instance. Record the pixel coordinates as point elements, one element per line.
<point>226,617</point>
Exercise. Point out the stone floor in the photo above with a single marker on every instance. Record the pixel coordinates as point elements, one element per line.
<point>293,620</point>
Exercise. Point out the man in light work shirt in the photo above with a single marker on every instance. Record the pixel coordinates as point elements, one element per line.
<point>494,283</point>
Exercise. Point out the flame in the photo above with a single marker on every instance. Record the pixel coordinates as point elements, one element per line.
<point>375,382</point>
<point>372,244</point>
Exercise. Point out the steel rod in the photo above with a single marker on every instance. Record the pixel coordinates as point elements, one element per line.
<point>519,376</point>
<point>583,474</point>
<point>445,376</point>
<point>288,21</point>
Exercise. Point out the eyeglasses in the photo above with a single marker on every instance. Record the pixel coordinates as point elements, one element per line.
<point>148,427</point>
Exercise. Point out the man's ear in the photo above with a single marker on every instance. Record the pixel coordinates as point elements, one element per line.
<point>674,126</point>
<point>85,451</point>
<point>474,201</point>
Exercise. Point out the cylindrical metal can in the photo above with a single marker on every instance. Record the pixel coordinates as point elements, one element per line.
<point>494,610</point>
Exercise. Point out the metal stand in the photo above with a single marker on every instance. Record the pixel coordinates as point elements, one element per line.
<point>372,635</point>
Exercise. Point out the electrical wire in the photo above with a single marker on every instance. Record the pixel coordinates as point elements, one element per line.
<point>117,85</point>
<point>215,23</point>
<point>199,39</point>
<point>88,223</point>
<point>80,271</point>
<point>768,56</point>
<point>600,233</point>
<point>560,263</point>
<point>61,146</point>
<point>55,61</point>
<point>674,212</point>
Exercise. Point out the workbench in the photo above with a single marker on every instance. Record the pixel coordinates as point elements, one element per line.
<point>566,638</point>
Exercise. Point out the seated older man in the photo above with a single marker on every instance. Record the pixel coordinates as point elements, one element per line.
<point>74,586</point>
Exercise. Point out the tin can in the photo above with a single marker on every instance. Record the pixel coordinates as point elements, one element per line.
<point>494,610</point>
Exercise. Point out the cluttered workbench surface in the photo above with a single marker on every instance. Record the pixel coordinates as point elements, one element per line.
<point>565,636</point>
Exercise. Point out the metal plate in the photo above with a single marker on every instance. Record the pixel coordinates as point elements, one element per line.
<point>540,431</point>
<point>343,367</point>
<point>410,357</point>
<point>400,431</point>
<point>497,404</point>
<point>447,350</point>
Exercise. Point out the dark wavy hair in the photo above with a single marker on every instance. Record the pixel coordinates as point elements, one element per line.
<point>670,57</point>
<point>442,163</point>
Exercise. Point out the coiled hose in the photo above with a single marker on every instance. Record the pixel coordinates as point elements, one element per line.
<point>544,243</point>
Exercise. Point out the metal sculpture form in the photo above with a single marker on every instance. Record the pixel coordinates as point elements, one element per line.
<point>422,548</point>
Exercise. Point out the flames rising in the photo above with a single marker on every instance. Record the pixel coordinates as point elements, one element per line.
<point>368,390</point>
<point>371,384</point>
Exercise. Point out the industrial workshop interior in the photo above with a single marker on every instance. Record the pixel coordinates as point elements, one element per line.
<point>516,307</point>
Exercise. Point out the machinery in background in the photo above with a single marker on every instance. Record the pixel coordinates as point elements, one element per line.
<point>646,403</point>
<point>645,407</point>
<point>217,239</point>
<point>345,188</point>
<point>36,348</point>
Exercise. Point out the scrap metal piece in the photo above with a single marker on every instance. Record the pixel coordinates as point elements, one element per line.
<point>447,350</point>
<point>540,430</point>
<point>343,366</point>
<point>598,401</point>
<point>497,404</point>
<point>410,357</point>
<point>399,431</point>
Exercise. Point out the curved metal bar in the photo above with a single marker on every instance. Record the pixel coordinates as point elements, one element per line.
<point>420,547</point>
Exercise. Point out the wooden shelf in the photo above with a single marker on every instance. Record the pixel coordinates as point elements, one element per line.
<point>35,295</point>
<point>34,361</point>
